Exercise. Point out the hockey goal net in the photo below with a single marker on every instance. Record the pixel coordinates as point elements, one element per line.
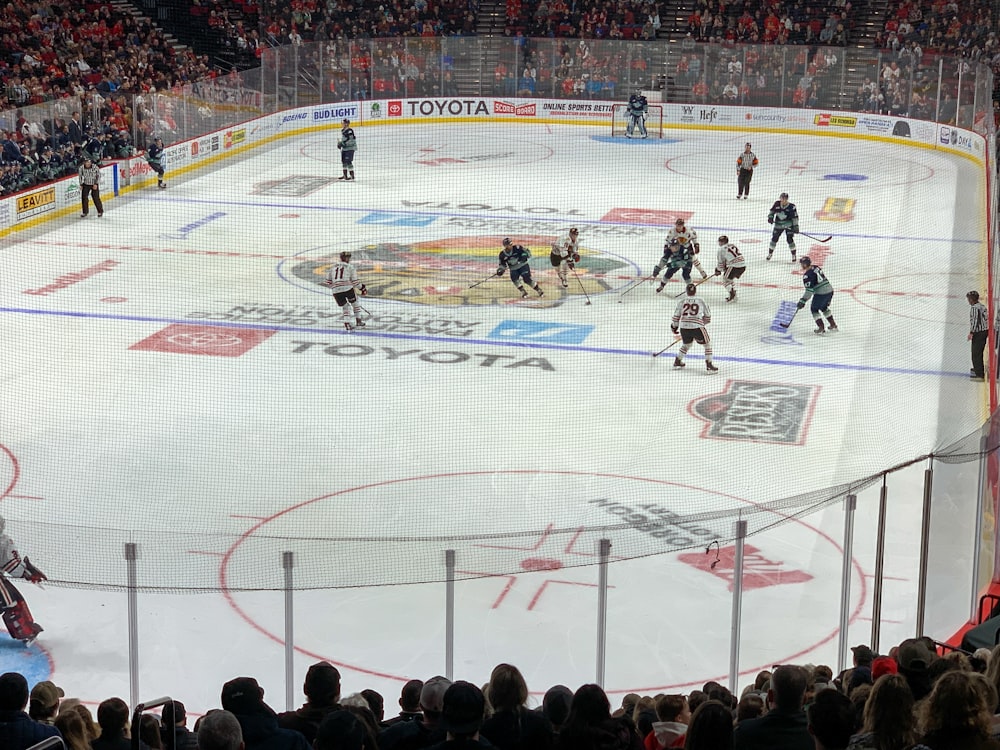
<point>654,121</point>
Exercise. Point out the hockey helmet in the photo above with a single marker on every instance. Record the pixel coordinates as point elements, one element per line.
<point>783,196</point>
<point>345,255</point>
<point>723,240</point>
<point>507,242</point>
<point>574,230</point>
<point>679,222</point>
<point>805,261</point>
<point>973,296</point>
<point>691,289</point>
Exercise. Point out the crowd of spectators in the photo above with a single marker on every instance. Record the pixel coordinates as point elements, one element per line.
<point>911,699</point>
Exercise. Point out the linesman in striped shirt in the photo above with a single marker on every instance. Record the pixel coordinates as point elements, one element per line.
<point>90,181</point>
<point>745,163</point>
<point>979,330</point>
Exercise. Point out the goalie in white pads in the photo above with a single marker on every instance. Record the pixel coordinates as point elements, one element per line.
<point>565,254</point>
<point>342,278</point>
<point>690,318</point>
<point>16,616</point>
<point>731,266</point>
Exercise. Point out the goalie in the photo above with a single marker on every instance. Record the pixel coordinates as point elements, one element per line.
<point>638,107</point>
<point>16,616</point>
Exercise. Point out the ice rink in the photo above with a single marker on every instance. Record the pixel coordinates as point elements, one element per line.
<point>176,376</point>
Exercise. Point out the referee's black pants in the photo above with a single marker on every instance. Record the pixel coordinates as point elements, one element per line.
<point>91,191</point>
<point>743,182</point>
<point>978,347</point>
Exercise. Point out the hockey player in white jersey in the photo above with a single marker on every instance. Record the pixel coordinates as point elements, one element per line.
<point>690,318</point>
<point>16,616</point>
<point>731,266</point>
<point>342,278</point>
<point>565,253</point>
<point>681,245</point>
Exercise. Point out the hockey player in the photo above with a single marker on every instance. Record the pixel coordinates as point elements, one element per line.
<point>154,158</point>
<point>342,278</point>
<point>347,144</point>
<point>515,258</point>
<point>16,616</point>
<point>638,107</point>
<point>821,290</point>
<point>680,250</point>
<point>745,164</point>
<point>731,266</point>
<point>565,254</point>
<point>785,218</point>
<point>690,318</point>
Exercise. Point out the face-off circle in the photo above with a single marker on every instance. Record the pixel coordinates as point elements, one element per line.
<point>525,545</point>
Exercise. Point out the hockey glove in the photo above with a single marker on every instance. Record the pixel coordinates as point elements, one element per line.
<point>364,290</point>
<point>800,305</point>
<point>656,271</point>
<point>718,272</point>
<point>770,219</point>
<point>500,272</point>
<point>570,264</point>
<point>340,145</point>
<point>31,573</point>
<point>675,329</point>
<point>795,230</point>
<point>576,257</point>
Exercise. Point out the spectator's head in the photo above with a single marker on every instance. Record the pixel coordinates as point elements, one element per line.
<point>590,706</point>
<point>243,695</point>
<point>340,730</point>
<point>888,712</point>
<point>376,703</point>
<point>673,708</point>
<point>959,706</point>
<point>219,730</point>
<point>112,717</point>
<point>149,731</point>
<point>432,697</point>
<point>73,730</point>
<point>695,699</point>
<point>831,720</point>
<point>711,728</point>
<point>859,676</point>
<point>322,684</point>
<point>13,692</point>
<point>507,689</point>
<point>629,702</point>
<point>409,696</point>
<point>556,703</point>
<point>44,701</point>
<point>751,706</point>
<point>788,688</point>
<point>173,714</point>
<point>464,709</point>
<point>884,665</point>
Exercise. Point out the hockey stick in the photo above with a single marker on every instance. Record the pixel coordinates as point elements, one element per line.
<point>821,240</point>
<point>696,283</point>
<point>483,281</point>
<point>582,287</point>
<point>785,325</point>
<point>667,347</point>
<point>635,285</point>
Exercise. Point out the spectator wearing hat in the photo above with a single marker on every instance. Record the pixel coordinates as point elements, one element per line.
<point>883,665</point>
<point>244,698</point>
<point>220,730</point>
<point>44,702</point>
<point>18,731</point>
<point>784,727</point>
<point>174,732</point>
<point>112,718</point>
<point>409,703</point>
<point>463,710</point>
<point>914,657</point>
<point>342,730</point>
<point>555,706</point>
<point>322,691</point>
<point>512,726</point>
<point>831,720</point>
<point>428,729</point>
<point>888,720</point>
<point>958,713</point>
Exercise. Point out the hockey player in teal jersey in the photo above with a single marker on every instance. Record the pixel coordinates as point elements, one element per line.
<point>515,259</point>
<point>785,218</point>
<point>821,290</point>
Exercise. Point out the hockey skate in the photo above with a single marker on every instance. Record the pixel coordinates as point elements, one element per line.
<point>710,367</point>
<point>833,328</point>
<point>524,292</point>
<point>348,325</point>
<point>660,287</point>
<point>359,323</point>
<point>769,254</point>
<point>731,297</point>
<point>539,290</point>
<point>820,330</point>
<point>678,362</point>
<point>793,256</point>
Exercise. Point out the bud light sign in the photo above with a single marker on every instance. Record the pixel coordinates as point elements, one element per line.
<point>349,112</point>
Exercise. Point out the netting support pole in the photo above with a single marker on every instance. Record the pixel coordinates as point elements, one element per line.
<point>850,504</point>
<point>883,499</point>
<point>982,497</point>
<point>925,546</point>
<point>736,624</point>
<point>131,555</point>
<point>604,553</point>
<point>449,614</point>
<point>288,563</point>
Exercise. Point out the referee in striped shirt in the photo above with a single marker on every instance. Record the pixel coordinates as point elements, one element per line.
<point>745,163</point>
<point>90,180</point>
<point>979,329</point>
